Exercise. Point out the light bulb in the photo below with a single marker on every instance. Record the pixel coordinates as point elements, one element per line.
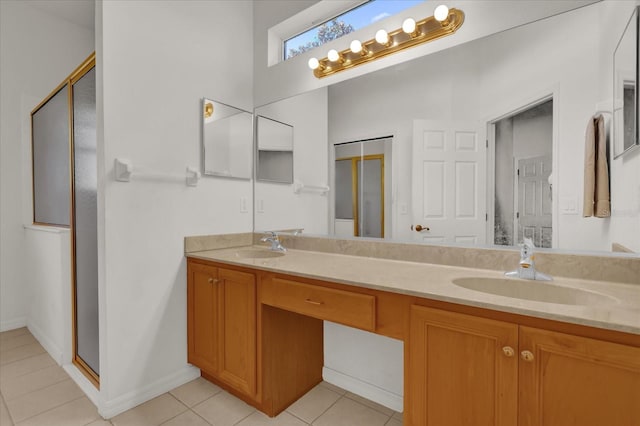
<point>356,46</point>
<point>313,63</point>
<point>441,13</point>
<point>333,55</point>
<point>382,37</point>
<point>409,26</point>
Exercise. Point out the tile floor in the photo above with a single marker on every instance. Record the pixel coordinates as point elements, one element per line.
<point>35,391</point>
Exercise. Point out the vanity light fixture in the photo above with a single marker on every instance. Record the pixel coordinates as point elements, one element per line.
<point>444,22</point>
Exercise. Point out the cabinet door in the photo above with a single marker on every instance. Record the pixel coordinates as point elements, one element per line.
<point>202,302</point>
<point>575,381</point>
<point>237,330</point>
<point>462,370</point>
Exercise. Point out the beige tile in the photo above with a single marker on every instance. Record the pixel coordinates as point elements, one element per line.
<point>381,408</point>
<point>195,392</point>
<point>34,403</point>
<point>75,413</point>
<point>347,412</point>
<point>260,419</point>
<point>25,366</point>
<point>100,422</point>
<point>393,422</point>
<point>21,352</point>
<point>5,418</point>
<point>21,340</point>
<point>188,418</point>
<point>334,388</point>
<point>6,335</point>
<point>21,385</point>
<point>153,412</point>
<point>313,403</point>
<point>223,410</point>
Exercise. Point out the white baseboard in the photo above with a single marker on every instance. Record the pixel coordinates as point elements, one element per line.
<point>47,343</point>
<point>84,384</point>
<point>12,324</point>
<point>363,389</point>
<point>136,397</point>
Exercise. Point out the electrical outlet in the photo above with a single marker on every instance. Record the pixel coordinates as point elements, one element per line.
<point>260,207</point>
<point>243,205</point>
<point>403,208</point>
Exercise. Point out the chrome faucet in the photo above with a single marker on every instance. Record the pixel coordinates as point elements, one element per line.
<point>527,267</point>
<point>276,245</point>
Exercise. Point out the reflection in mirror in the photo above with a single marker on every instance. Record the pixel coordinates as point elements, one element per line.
<point>275,151</point>
<point>227,140</point>
<point>625,74</point>
<point>466,119</point>
<point>362,184</point>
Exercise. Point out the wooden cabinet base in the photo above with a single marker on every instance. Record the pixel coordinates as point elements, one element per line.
<point>292,357</point>
<point>231,390</point>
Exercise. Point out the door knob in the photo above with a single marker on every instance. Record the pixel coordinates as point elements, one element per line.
<point>419,228</point>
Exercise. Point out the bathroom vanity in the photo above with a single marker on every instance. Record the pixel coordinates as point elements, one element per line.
<point>471,357</point>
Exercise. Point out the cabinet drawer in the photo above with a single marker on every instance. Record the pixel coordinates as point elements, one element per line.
<point>343,307</point>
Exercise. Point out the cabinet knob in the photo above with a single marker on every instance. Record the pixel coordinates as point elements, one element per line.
<point>527,356</point>
<point>508,351</point>
<point>213,281</point>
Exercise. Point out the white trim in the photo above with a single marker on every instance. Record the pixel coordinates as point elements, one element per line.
<point>111,408</point>
<point>363,389</point>
<point>47,343</point>
<point>84,384</point>
<point>42,228</point>
<point>12,324</point>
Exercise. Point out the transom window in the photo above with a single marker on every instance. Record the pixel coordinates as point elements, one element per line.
<point>343,24</point>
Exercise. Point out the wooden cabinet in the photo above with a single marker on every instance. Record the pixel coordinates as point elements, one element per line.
<point>462,370</point>
<point>221,325</point>
<point>469,370</point>
<point>575,381</point>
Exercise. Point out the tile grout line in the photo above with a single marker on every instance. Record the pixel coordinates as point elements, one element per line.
<point>23,359</point>
<point>41,388</point>
<point>205,420</point>
<point>245,417</point>
<point>6,407</point>
<point>52,408</point>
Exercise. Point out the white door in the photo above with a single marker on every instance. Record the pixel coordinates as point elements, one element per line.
<point>534,200</point>
<point>449,182</point>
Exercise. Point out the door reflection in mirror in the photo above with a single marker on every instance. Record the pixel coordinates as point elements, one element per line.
<point>523,159</point>
<point>362,180</point>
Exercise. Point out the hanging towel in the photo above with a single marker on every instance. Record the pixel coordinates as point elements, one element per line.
<point>596,170</point>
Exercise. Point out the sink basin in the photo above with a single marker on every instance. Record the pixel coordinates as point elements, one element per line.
<point>258,254</point>
<point>536,291</point>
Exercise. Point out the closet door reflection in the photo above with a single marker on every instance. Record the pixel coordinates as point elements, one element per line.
<point>85,244</point>
<point>370,197</point>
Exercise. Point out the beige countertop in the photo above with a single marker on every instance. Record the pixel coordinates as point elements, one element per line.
<point>621,311</point>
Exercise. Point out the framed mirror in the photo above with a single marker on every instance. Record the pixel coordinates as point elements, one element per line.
<point>227,140</point>
<point>625,89</point>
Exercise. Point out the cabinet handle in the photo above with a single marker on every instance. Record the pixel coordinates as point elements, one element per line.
<point>508,351</point>
<point>213,280</point>
<point>313,302</point>
<point>527,356</point>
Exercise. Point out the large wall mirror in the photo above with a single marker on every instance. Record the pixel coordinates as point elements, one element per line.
<point>625,78</point>
<point>487,141</point>
<point>227,140</point>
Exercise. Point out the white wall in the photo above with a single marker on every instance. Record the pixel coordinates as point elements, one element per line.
<point>625,171</point>
<point>277,206</point>
<point>293,76</point>
<point>37,51</point>
<point>158,59</point>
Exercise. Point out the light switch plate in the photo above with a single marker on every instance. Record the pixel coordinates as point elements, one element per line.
<point>569,205</point>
